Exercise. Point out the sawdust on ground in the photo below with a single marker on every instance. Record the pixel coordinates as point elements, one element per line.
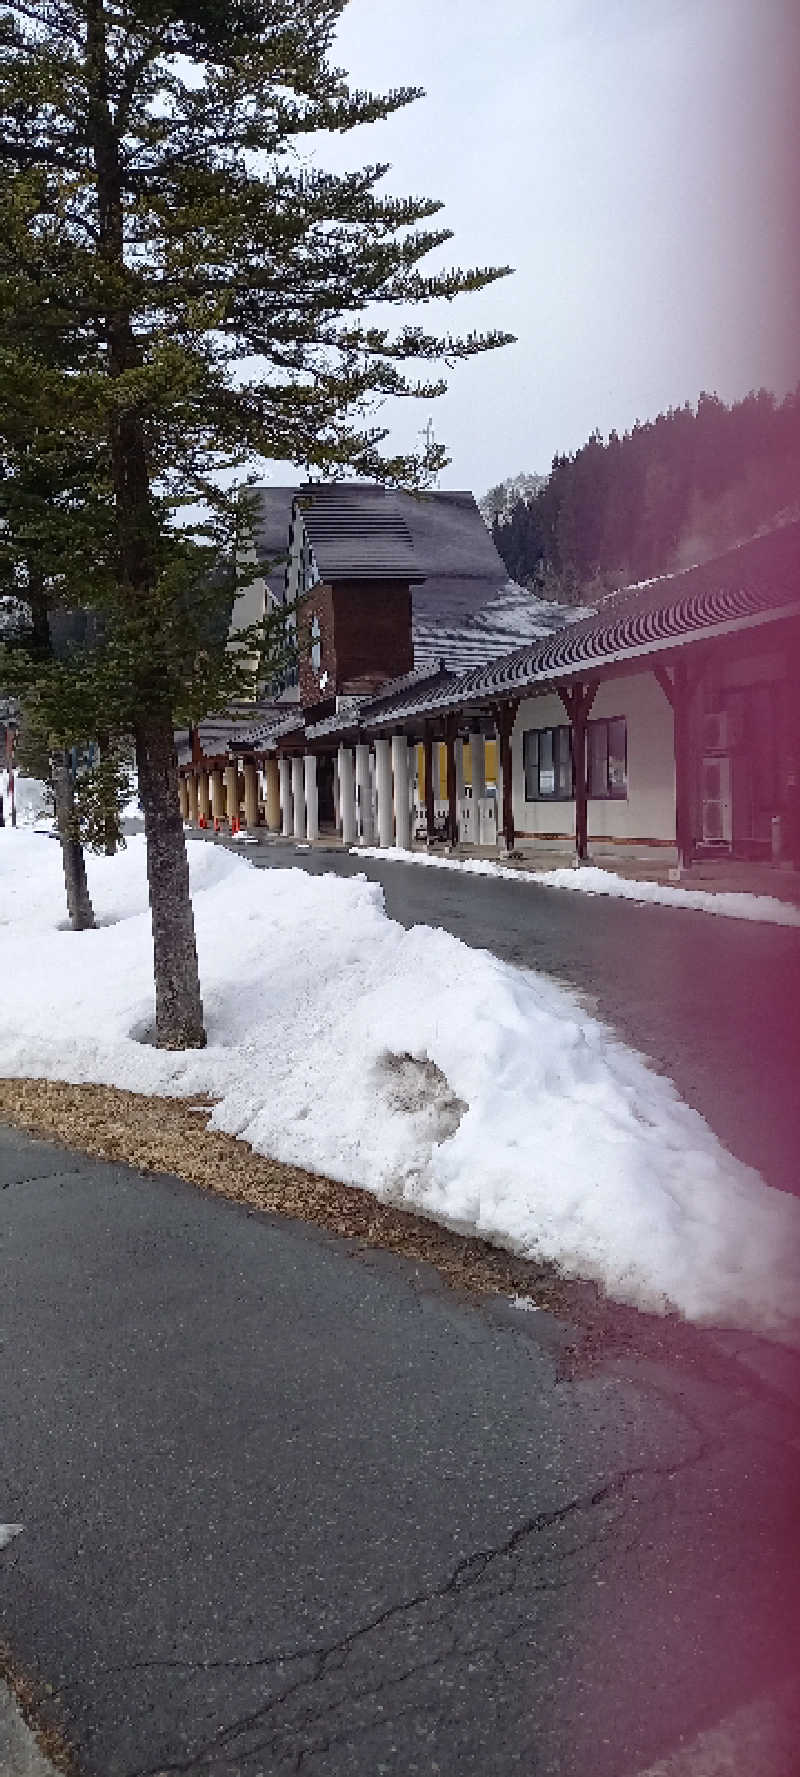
<point>168,1135</point>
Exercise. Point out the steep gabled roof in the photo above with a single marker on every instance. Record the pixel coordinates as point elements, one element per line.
<point>357,533</point>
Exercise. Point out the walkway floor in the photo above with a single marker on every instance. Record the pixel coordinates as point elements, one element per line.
<point>644,864</point>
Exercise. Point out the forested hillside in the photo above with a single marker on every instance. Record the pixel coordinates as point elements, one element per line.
<point>671,492</point>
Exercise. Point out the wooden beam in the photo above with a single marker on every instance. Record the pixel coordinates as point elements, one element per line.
<point>683,689</point>
<point>667,683</point>
<point>567,697</point>
<point>505,717</point>
<point>577,702</point>
<point>581,786</point>
<point>427,753</point>
<point>452,789</point>
<point>791,754</point>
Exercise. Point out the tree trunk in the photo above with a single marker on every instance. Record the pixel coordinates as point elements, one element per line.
<point>179,1008</point>
<point>79,905</point>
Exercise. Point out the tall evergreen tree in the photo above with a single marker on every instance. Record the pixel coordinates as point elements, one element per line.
<point>189,295</point>
<point>677,489</point>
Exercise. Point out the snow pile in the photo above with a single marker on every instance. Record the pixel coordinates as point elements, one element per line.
<point>31,798</point>
<point>763,909</point>
<point>433,1075</point>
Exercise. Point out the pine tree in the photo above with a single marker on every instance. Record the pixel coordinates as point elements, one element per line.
<point>189,295</point>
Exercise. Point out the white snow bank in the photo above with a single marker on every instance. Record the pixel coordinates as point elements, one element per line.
<point>764,909</point>
<point>31,798</point>
<point>431,1074</point>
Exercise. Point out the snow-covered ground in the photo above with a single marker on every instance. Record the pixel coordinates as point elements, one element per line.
<point>31,798</point>
<point>764,909</point>
<point>402,1061</point>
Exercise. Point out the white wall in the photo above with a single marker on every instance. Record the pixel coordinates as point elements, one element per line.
<point>649,809</point>
<point>248,606</point>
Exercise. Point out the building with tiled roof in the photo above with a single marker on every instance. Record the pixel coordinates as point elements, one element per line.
<point>669,717</point>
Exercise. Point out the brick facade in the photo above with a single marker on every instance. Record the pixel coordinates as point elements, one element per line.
<point>364,638</point>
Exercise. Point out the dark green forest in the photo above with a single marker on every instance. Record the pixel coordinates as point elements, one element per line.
<point>672,491</point>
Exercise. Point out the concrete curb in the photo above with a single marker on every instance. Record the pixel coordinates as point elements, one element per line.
<point>19,1753</point>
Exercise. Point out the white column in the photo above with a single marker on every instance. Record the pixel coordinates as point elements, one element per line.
<point>347,796</point>
<point>337,795</point>
<point>366,832</point>
<point>274,797</point>
<point>232,793</point>
<point>298,797</point>
<point>477,753</point>
<point>402,812</point>
<point>250,796</point>
<point>439,769</point>
<point>285,770</point>
<point>383,785</point>
<point>312,800</point>
<point>203,796</point>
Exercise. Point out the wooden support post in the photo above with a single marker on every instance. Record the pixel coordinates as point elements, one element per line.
<point>217,794</point>
<point>183,794</point>
<point>203,801</point>
<point>250,795</point>
<point>191,796</point>
<point>790,809</point>
<point>683,689</point>
<point>505,717</point>
<point>679,687</point>
<point>428,760</point>
<point>577,703</point>
<point>232,796</point>
<point>452,788</point>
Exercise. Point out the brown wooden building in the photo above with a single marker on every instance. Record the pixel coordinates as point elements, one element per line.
<point>666,721</point>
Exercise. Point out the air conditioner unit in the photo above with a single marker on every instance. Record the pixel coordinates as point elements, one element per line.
<point>717,802</point>
<point>721,731</point>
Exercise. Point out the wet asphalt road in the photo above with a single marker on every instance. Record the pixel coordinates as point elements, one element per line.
<point>714,1003</point>
<point>289,1508</point>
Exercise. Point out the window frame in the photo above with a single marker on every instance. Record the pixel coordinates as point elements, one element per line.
<point>531,738</point>
<point>533,735</point>
<point>611,792</point>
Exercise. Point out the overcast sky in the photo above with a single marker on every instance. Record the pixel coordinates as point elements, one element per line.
<point>632,160</point>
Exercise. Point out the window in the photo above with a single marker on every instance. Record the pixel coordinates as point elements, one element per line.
<point>607,759</point>
<point>547,759</point>
<point>316,643</point>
